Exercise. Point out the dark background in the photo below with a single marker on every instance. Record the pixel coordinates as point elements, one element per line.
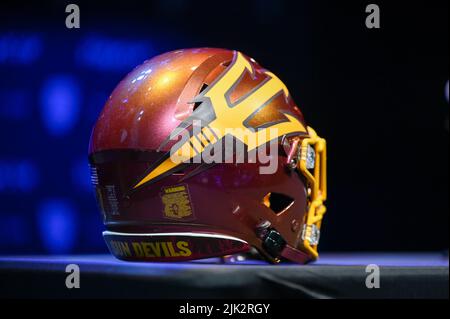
<point>377,95</point>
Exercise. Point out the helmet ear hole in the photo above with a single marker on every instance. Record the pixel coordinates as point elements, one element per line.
<point>277,202</point>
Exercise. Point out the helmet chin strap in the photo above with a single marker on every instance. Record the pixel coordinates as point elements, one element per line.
<point>295,255</point>
<point>288,253</point>
<point>276,246</point>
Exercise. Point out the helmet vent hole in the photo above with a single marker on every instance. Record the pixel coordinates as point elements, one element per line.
<point>226,64</point>
<point>204,86</point>
<point>197,104</point>
<point>277,202</point>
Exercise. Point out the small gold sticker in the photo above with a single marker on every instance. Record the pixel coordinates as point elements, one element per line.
<point>177,203</point>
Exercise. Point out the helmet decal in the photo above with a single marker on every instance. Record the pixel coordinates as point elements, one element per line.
<point>177,202</point>
<point>219,117</point>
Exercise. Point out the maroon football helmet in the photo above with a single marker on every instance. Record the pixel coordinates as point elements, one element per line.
<point>203,153</point>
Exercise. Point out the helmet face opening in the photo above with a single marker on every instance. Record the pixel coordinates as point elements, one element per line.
<point>202,153</point>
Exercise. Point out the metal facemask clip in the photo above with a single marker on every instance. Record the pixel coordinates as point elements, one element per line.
<point>309,157</point>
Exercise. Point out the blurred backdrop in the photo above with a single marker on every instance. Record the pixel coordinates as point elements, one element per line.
<point>377,95</point>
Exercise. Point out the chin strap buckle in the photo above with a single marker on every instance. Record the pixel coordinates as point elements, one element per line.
<point>273,243</point>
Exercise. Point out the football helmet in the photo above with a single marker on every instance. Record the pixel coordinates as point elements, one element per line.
<point>203,153</point>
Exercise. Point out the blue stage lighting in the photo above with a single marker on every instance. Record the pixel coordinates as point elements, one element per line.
<point>19,175</point>
<point>14,231</point>
<point>81,175</point>
<point>15,104</point>
<point>104,53</point>
<point>57,222</point>
<point>60,104</point>
<point>20,48</point>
